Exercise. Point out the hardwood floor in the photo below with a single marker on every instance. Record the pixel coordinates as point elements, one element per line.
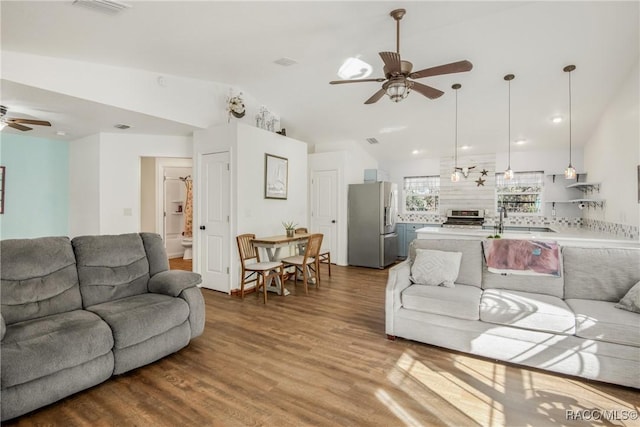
<point>324,360</point>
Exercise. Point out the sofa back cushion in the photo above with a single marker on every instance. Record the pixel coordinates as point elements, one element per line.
<point>156,253</point>
<point>604,274</point>
<point>110,267</point>
<point>38,278</point>
<point>470,272</point>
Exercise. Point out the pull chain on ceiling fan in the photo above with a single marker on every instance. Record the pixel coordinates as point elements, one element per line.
<point>396,83</point>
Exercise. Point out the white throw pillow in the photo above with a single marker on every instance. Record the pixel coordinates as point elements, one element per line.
<point>435,268</point>
<point>631,301</point>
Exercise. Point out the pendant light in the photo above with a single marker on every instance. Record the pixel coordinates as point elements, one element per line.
<point>508,174</point>
<point>570,171</point>
<point>455,175</point>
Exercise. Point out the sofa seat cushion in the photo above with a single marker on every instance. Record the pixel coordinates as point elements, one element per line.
<point>602,321</point>
<point>461,302</point>
<point>538,312</point>
<point>39,347</point>
<point>136,319</point>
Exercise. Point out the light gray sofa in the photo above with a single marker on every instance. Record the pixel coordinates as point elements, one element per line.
<point>74,313</point>
<point>566,324</point>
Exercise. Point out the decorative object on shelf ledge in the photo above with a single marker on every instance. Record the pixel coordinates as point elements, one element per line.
<point>455,176</point>
<point>266,120</point>
<point>235,106</point>
<point>282,132</point>
<point>508,174</point>
<point>570,172</point>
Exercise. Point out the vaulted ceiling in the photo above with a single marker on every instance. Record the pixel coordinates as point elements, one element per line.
<point>236,43</point>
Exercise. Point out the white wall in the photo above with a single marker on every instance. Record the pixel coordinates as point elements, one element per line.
<point>351,160</point>
<point>612,155</point>
<point>250,211</point>
<point>105,179</point>
<point>84,186</point>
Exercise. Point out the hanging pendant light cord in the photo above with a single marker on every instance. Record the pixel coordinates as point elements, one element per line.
<point>570,119</point>
<point>509,127</point>
<point>456,133</point>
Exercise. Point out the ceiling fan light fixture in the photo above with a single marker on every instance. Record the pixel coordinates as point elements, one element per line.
<point>397,90</point>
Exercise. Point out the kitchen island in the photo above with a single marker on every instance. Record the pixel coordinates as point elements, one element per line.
<point>567,236</point>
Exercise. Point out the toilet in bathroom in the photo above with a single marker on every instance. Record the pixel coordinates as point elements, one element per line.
<point>187,242</point>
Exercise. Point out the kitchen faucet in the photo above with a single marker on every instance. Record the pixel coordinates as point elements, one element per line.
<point>503,214</point>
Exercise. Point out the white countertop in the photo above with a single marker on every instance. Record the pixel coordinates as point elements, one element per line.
<point>563,235</point>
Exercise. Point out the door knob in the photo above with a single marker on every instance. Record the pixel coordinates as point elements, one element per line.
<point>333,221</point>
<point>202,227</point>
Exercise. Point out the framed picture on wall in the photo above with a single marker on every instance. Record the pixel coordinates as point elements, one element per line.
<point>2,169</point>
<point>276,175</point>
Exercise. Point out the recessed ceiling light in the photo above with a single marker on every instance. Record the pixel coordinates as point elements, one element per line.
<point>556,119</point>
<point>521,141</point>
<point>465,147</point>
<point>415,152</point>
<point>390,129</point>
<point>61,133</point>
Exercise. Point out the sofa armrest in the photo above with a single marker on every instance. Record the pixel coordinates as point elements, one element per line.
<point>173,282</point>
<point>397,282</point>
<point>3,327</point>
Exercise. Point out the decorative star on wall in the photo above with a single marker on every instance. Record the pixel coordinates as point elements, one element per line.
<point>480,182</point>
<point>484,172</point>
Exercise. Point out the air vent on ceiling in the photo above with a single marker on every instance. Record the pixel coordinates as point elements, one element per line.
<point>108,6</point>
<point>121,126</point>
<point>372,141</point>
<point>285,62</point>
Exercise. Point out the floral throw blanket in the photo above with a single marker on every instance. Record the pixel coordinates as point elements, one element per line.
<point>526,257</point>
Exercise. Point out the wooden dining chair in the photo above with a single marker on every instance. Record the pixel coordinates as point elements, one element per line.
<point>254,270</point>
<point>307,264</point>
<point>323,257</point>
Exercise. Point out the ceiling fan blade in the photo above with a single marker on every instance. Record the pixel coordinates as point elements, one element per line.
<point>376,96</point>
<point>428,91</point>
<point>17,126</point>
<point>339,82</point>
<point>30,122</point>
<point>454,67</point>
<point>392,62</point>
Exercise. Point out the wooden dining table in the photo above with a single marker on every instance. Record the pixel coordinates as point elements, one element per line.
<point>273,246</point>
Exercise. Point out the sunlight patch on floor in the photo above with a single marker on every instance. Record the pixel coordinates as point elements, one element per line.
<point>397,409</point>
<point>466,404</point>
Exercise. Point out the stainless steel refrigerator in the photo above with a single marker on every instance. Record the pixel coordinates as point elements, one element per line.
<point>372,237</point>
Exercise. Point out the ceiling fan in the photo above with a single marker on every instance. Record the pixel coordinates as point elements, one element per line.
<point>398,72</point>
<point>18,123</point>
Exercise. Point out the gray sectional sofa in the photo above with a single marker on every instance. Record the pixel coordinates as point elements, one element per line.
<point>568,324</point>
<point>74,313</point>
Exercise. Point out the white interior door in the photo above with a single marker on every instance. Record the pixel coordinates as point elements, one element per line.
<point>215,227</point>
<point>324,208</point>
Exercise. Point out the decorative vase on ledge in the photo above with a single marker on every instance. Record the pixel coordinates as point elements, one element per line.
<point>238,115</point>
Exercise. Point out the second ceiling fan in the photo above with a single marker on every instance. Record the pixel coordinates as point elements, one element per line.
<point>397,83</point>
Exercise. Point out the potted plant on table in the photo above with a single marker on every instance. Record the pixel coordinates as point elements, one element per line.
<point>290,227</point>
